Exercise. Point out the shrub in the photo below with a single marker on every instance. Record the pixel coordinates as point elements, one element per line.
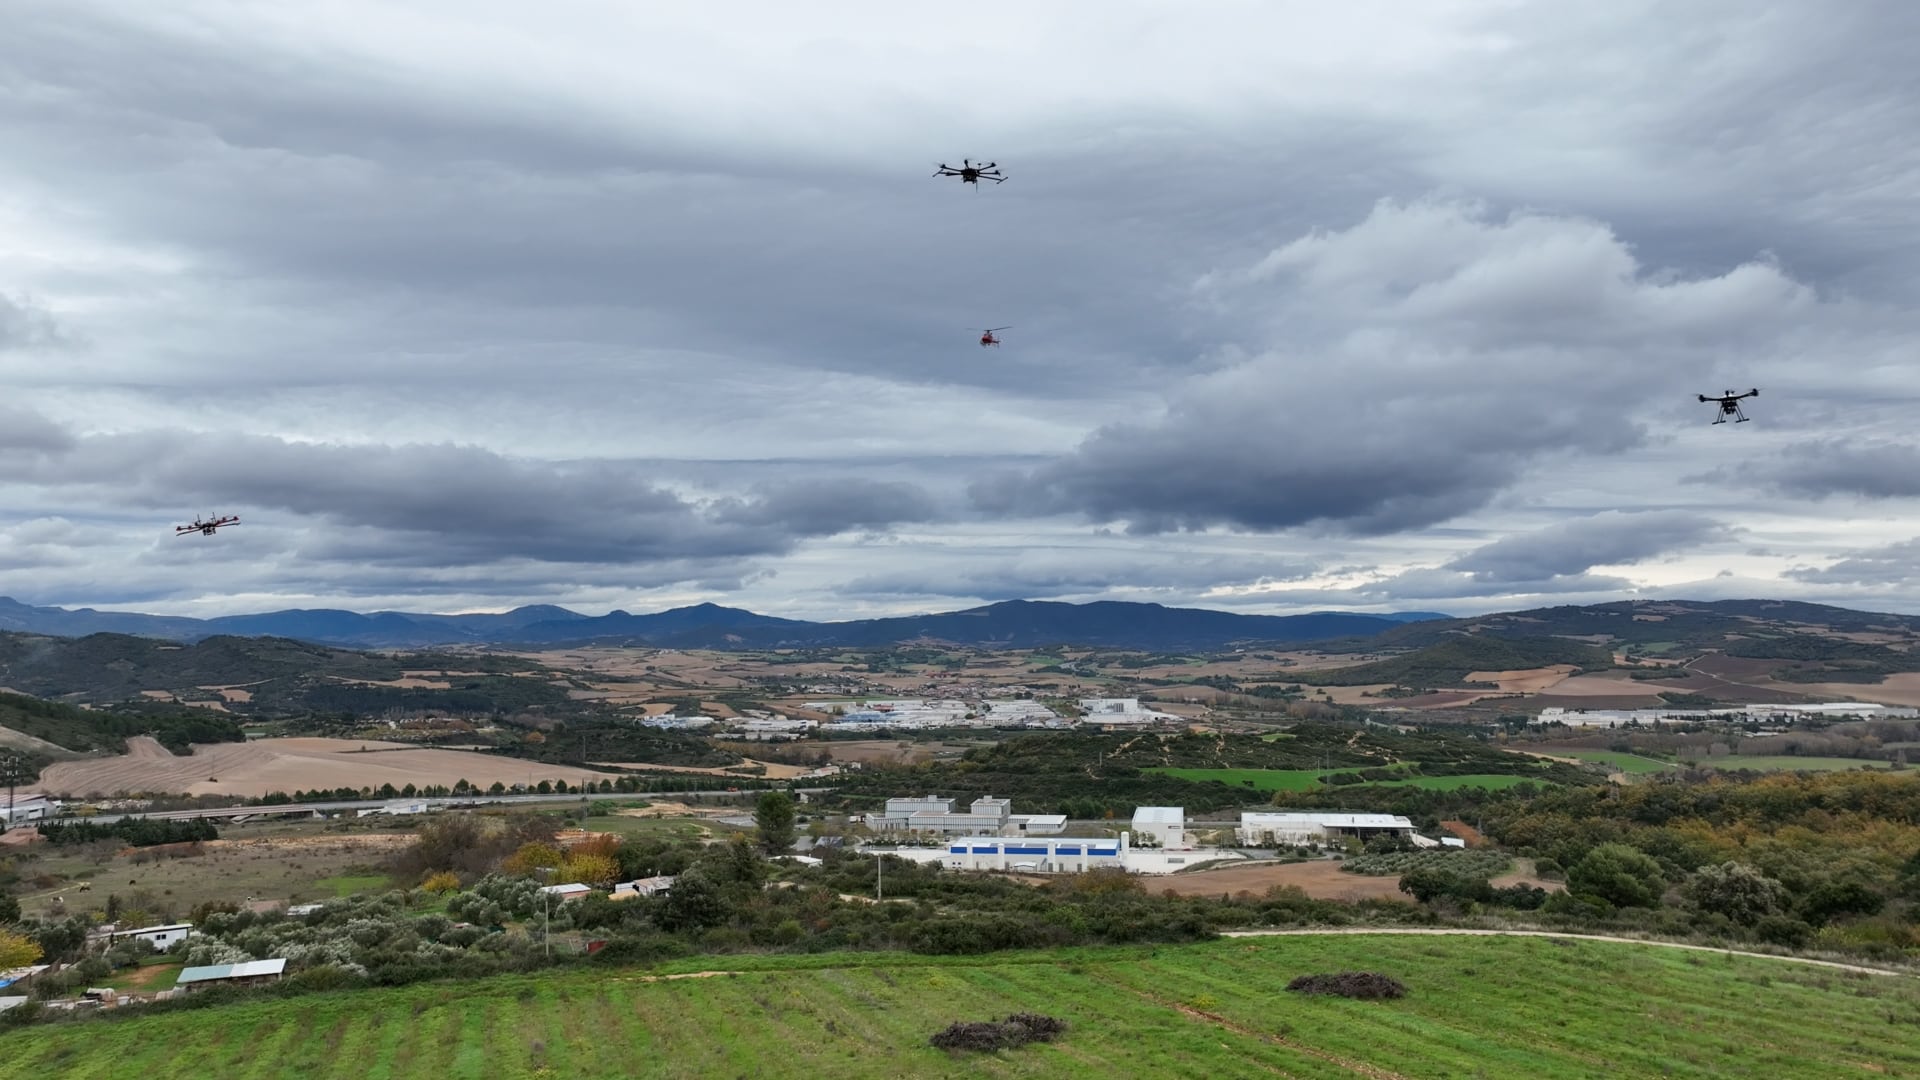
<point>989,1035</point>
<point>444,881</point>
<point>1362,985</point>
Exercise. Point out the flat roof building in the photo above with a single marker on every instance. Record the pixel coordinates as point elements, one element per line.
<point>242,974</point>
<point>1259,829</point>
<point>1053,855</point>
<point>21,809</point>
<point>160,937</point>
<point>1167,825</point>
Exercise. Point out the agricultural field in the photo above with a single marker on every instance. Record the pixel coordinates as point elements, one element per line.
<point>1485,864</point>
<point>1475,1007</point>
<point>1631,764</point>
<point>1790,763</point>
<point>266,862</point>
<point>1309,779</point>
<point>265,765</point>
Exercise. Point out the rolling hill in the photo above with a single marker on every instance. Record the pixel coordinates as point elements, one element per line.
<point>1449,662</point>
<point>1011,624</point>
<point>277,676</point>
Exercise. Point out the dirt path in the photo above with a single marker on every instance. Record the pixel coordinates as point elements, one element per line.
<point>1835,964</point>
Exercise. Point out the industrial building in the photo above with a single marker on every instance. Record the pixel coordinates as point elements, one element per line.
<point>1060,855</point>
<point>987,816</point>
<point>1260,829</point>
<point>25,809</point>
<point>1123,713</point>
<point>1761,714</point>
<point>1166,826</point>
<point>1050,856</point>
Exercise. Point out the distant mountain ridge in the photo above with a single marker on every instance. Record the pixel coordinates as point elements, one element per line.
<point>1011,624</point>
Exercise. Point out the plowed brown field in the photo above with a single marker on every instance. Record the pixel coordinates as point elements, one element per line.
<point>1322,880</point>
<point>264,765</point>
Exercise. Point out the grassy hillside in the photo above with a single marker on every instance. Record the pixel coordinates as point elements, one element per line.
<point>1476,1007</point>
<point>1448,662</point>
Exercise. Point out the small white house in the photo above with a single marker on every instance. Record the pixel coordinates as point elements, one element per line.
<point>160,937</point>
<point>646,886</point>
<point>570,891</point>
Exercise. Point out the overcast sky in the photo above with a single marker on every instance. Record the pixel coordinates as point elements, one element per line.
<point>1372,306</point>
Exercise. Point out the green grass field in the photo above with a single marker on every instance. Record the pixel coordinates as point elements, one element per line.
<point>1490,781</point>
<point>1257,779</point>
<point>1788,763</point>
<point>1631,764</point>
<point>1309,779</point>
<point>1477,1007</point>
<point>354,884</point>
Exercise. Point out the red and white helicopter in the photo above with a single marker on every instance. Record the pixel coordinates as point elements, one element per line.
<point>987,338</point>
<point>205,528</point>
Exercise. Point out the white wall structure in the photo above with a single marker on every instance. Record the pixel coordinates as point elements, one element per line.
<point>1167,825</point>
<point>1259,829</point>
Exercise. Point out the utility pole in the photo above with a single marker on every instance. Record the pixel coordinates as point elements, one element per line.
<point>12,766</point>
<point>879,878</point>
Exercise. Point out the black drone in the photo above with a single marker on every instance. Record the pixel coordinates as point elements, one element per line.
<point>1730,405</point>
<point>969,173</point>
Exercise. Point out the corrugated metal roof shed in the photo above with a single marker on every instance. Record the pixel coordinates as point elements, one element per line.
<point>244,970</point>
<point>1159,815</point>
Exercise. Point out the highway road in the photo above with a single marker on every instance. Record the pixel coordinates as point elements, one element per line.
<point>440,803</point>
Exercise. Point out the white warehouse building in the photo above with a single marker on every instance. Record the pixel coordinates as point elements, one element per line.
<point>988,816</point>
<point>1167,825</point>
<point>1055,854</point>
<point>1259,829</point>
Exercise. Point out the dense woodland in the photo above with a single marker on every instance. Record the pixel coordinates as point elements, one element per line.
<point>73,728</point>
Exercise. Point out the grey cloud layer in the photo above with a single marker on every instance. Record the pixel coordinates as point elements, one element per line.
<point>461,301</point>
<point>474,503</point>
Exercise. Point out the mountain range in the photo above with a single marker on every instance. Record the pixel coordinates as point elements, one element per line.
<point>1012,624</point>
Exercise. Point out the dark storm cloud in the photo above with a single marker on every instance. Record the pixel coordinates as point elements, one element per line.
<point>827,507</point>
<point>1818,468</point>
<point>1572,547</point>
<point>1892,565</point>
<point>620,226</point>
<point>458,504</point>
<point>29,431</point>
<point>24,324</point>
<point>962,572</point>
<point>1412,367</point>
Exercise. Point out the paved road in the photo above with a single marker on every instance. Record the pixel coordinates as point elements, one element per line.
<point>1572,937</point>
<point>440,803</point>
